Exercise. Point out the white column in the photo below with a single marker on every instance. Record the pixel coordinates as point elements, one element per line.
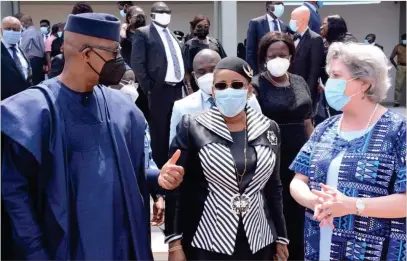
<point>226,25</point>
<point>9,8</point>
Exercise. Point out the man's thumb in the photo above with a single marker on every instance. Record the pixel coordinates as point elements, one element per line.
<point>175,157</point>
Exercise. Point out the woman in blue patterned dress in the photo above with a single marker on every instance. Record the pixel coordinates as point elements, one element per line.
<point>351,174</point>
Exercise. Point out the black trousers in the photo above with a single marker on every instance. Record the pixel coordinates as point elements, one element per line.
<point>37,67</point>
<point>161,100</point>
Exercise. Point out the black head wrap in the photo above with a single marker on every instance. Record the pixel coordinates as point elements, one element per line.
<point>237,65</point>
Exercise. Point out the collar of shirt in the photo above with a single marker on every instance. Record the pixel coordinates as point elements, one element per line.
<point>311,6</point>
<point>306,29</point>
<point>159,28</point>
<point>205,96</point>
<point>270,19</point>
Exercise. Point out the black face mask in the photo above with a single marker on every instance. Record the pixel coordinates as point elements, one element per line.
<point>202,33</point>
<point>112,71</point>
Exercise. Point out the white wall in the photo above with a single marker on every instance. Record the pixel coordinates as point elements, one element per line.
<point>382,19</point>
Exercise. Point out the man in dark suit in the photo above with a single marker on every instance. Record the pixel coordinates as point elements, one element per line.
<point>371,39</point>
<point>315,19</point>
<point>15,67</point>
<point>262,25</point>
<point>159,68</point>
<point>309,51</point>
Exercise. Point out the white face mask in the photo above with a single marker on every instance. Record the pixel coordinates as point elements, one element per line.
<point>131,89</point>
<point>205,83</point>
<point>163,19</point>
<point>278,66</point>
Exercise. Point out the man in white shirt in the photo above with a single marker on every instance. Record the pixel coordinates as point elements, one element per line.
<point>159,68</point>
<point>204,64</point>
<point>262,25</point>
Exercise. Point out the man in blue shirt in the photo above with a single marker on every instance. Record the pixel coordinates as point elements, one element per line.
<point>315,19</point>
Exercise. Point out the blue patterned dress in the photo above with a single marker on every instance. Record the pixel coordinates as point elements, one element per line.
<point>373,165</point>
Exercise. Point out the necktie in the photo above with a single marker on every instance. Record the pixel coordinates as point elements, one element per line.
<point>211,101</point>
<point>275,25</point>
<point>17,60</point>
<point>297,36</point>
<point>175,62</point>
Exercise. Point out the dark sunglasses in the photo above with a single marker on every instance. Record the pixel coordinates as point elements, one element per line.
<point>234,85</point>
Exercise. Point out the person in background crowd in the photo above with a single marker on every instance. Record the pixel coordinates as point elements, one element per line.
<point>285,99</point>
<point>190,35</point>
<point>105,159</point>
<point>135,18</point>
<point>48,44</point>
<point>81,8</point>
<point>399,51</point>
<point>179,35</point>
<point>15,66</point>
<point>57,43</point>
<point>358,160</point>
<point>57,62</point>
<point>33,45</point>
<point>201,25</point>
<point>333,29</point>
<point>260,26</point>
<point>315,18</point>
<point>309,46</point>
<point>241,50</point>
<point>157,61</point>
<point>123,7</point>
<point>371,39</point>
<point>201,100</point>
<point>19,16</point>
<point>231,157</point>
<point>45,27</point>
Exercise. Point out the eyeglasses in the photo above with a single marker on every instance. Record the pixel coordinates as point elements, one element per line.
<point>235,85</point>
<point>162,12</point>
<point>115,51</point>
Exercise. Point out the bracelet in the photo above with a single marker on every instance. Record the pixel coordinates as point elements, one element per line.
<point>172,249</point>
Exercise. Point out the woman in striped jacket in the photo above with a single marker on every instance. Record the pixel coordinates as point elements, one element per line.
<point>229,206</point>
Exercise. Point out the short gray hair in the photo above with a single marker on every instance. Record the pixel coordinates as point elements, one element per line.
<point>365,62</point>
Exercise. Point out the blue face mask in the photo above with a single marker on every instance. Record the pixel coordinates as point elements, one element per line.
<point>293,25</point>
<point>278,10</point>
<point>403,42</point>
<point>367,41</point>
<point>122,13</point>
<point>320,4</point>
<point>335,93</point>
<point>59,34</point>
<point>230,102</point>
<point>11,37</point>
<point>44,30</point>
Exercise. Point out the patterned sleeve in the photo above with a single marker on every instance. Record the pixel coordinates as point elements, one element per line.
<point>400,182</point>
<point>302,161</point>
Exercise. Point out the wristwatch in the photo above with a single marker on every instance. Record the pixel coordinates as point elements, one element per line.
<point>360,206</point>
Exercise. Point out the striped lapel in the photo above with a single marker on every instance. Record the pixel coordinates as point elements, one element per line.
<point>213,120</point>
<point>257,124</point>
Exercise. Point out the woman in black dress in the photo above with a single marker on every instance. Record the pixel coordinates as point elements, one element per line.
<point>135,18</point>
<point>285,98</point>
<point>229,205</point>
<point>201,26</point>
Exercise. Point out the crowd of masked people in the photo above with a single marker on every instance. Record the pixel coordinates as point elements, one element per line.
<point>284,153</point>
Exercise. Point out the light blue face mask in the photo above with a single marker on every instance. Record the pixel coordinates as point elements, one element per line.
<point>335,93</point>
<point>122,13</point>
<point>44,30</point>
<point>320,4</point>
<point>230,102</point>
<point>367,41</point>
<point>278,10</point>
<point>403,42</point>
<point>11,37</point>
<point>59,34</point>
<point>293,25</point>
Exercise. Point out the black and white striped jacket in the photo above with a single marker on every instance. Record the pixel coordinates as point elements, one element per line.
<point>200,210</point>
